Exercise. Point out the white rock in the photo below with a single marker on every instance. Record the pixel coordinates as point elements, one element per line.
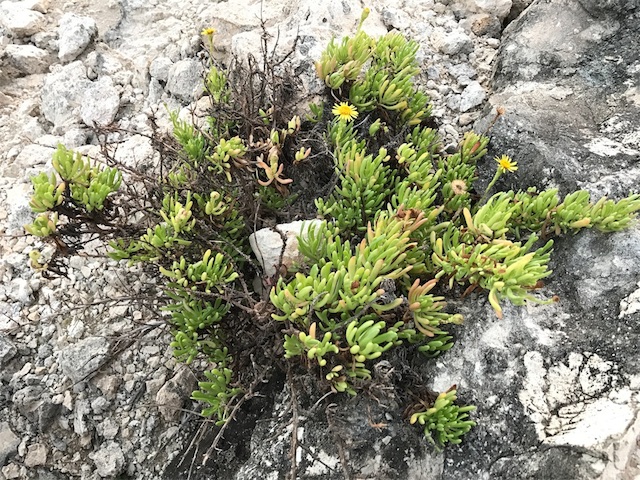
<point>37,5</point>
<point>185,80</point>
<point>81,359</point>
<point>498,8</point>
<point>451,43</point>
<point>16,17</point>
<point>472,96</point>
<point>159,68</point>
<point>27,58</point>
<point>75,33</point>
<point>8,442</point>
<point>18,207</point>
<point>267,244</point>
<point>62,95</point>
<point>135,151</point>
<point>100,103</point>
<point>36,455</point>
<point>109,460</point>
<point>20,291</point>
<point>11,471</point>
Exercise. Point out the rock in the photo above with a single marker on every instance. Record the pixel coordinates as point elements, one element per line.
<point>75,33</point>
<point>8,443</point>
<point>62,95</point>
<point>109,460</point>
<point>575,121</point>
<point>185,80</point>
<point>135,152</point>
<point>159,68</point>
<point>11,471</point>
<point>27,58</point>
<point>7,350</point>
<point>472,96</point>
<point>517,8</point>
<point>36,455</point>
<point>28,400</point>
<point>99,405</point>
<point>484,24</point>
<point>19,19</point>
<point>81,359</point>
<point>451,43</point>
<point>100,103</point>
<point>82,409</point>
<point>48,412</point>
<point>497,8</point>
<point>172,395</point>
<point>20,291</point>
<point>267,244</point>
<point>598,7</point>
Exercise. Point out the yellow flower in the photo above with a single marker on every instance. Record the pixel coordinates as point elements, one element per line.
<point>506,164</point>
<point>207,32</point>
<point>345,111</point>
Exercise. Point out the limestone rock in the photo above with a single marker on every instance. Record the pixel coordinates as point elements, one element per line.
<point>7,350</point>
<point>267,244</point>
<point>62,94</point>
<point>36,455</point>
<point>472,96</point>
<point>83,358</point>
<point>498,8</point>
<point>19,19</point>
<point>172,395</point>
<point>100,103</point>
<point>75,33</point>
<point>451,43</point>
<point>109,460</point>
<point>27,58</point>
<point>185,80</point>
<point>20,291</point>
<point>8,442</point>
<point>159,68</point>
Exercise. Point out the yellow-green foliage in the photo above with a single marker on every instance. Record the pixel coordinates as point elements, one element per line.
<point>403,227</point>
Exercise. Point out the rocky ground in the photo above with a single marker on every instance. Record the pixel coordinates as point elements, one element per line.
<point>89,388</point>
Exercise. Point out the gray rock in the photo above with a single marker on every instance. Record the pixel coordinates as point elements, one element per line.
<point>7,350</point>
<point>75,33</point>
<point>497,8</point>
<point>28,400</point>
<point>159,68</point>
<point>472,96</point>
<point>81,359</point>
<point>185,80</point>
<point>48,412</point>
<point>172,395</point>
<point>8,443</point>
<point>109,460</point>
<point>518,7</point>
<point>598,7</point>
<point>99,405</point>
<point>62,95</point>
<point>36,455</point>
<point>27,58</point>
<point>484,24</point>
<point>82,409</point>
<point>19,19</point>
<point>100,103</point>
<point>451,43</point>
